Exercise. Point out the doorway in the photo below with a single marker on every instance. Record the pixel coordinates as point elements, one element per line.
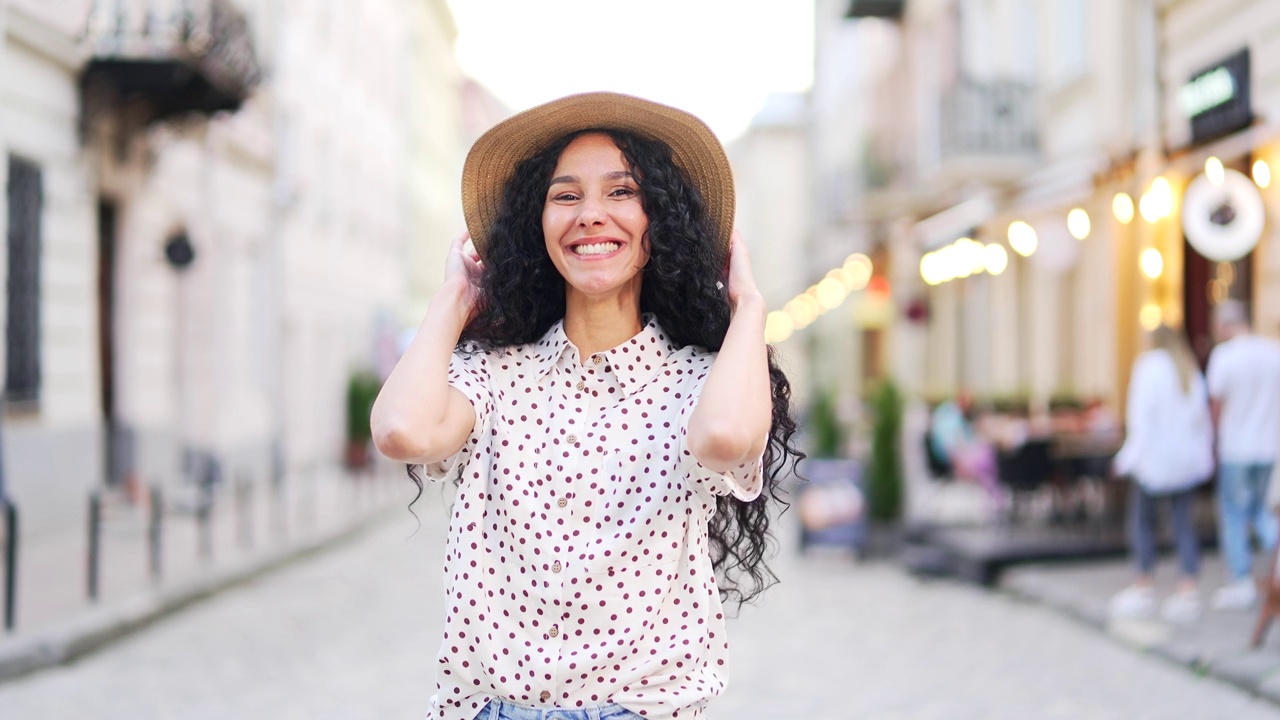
<point>1206,283</point>
<point>115,450</point>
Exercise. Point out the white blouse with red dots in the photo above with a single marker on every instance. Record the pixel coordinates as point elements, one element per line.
<point>577,570</point>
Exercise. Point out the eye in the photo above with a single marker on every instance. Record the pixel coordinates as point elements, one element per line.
<point>564,197</point>
<point>623,192</point>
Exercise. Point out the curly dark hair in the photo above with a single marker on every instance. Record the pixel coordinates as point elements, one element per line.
<point>683,287</point>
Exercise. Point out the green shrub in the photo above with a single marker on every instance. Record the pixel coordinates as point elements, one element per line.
<point>362,390</point>
<point>884,476</point>
<point>826,434</point>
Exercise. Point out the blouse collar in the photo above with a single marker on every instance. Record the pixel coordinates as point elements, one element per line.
<point>634,362</point>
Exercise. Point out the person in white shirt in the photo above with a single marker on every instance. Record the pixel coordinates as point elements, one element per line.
<point>593,376</point>
<point>1244,386</point>
<point>1167,453</point>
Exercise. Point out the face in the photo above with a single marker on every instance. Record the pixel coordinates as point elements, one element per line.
<point>593,220</point>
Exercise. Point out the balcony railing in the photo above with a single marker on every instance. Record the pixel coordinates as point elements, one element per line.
<point>995,118</point>
<point>177,56</point>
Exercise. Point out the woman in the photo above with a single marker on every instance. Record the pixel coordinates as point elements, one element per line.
<point>1168,451</point>
<point>611,414</point>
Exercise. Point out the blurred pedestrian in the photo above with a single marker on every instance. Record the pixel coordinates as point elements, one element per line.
<point>597,384</point>
<point>1167,453</point>
<point>955,442</point>
<point>1244,389</point>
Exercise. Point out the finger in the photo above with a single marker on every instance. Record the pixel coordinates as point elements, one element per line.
<point>469,250</point>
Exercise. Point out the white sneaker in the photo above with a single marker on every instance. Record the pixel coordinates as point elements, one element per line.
<point>1182,607</point>
<point>1236,595</point>
<point>1135,601</point>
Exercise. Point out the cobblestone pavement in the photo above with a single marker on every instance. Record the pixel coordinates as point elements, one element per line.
<point>351,634</point>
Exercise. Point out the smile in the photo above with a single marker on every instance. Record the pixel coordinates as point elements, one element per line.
<point>600,248</point>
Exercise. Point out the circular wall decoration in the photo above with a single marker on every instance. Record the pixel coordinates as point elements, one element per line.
<point>1223,222</point>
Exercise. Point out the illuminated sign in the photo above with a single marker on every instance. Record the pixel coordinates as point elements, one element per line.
<point>1216,99</point>
<point>1207,91</point>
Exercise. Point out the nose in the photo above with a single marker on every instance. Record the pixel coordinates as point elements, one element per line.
<point>590,212</point>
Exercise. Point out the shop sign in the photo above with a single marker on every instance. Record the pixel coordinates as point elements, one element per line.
<point>1223,222</point>
<point>1216,99</point>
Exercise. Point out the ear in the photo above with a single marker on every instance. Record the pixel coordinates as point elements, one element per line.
<point>647,247</point>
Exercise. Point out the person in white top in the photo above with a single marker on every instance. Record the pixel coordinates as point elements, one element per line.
<point>1244,385</point>
<point>593,376</point>
<point>1167,453</point>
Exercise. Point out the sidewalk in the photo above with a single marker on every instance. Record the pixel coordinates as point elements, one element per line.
<point>250,530</point>
<point>1216,645</point>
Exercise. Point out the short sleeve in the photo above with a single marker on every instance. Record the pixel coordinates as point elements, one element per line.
<point>469,373</point>
<point>743,482</point>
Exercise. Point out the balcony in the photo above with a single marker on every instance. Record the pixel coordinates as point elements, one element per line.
<point>988,129</point>
<point>165,58</point>
<point>889,9</point>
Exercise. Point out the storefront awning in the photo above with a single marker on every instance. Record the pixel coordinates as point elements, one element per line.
<point>955,222</point>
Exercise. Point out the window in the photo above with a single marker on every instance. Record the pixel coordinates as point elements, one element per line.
<point>22,331</point>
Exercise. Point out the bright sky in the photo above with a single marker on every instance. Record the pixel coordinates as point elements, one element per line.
<point>718,59</point>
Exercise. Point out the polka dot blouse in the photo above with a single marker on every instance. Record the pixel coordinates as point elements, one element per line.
<point>577,571</point>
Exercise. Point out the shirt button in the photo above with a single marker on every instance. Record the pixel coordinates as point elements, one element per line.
<point>581,385</point>
<point>562,502</point>
<point>555,566</point>
<point>554,632</point>
<point>573,439</point>
<point>545,696</point>
<point>597,360</point>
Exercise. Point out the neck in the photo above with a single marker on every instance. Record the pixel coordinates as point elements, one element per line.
<point>596,324</point>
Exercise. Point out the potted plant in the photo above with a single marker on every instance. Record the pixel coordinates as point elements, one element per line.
<point>884,474</point>
<point>362,390</point>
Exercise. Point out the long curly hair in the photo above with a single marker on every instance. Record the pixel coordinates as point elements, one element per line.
<point>524,295</point>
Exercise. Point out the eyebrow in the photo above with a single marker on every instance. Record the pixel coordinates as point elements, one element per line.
<point>615,175</point>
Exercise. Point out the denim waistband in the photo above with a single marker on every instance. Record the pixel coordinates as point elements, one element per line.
<point>503,710</point>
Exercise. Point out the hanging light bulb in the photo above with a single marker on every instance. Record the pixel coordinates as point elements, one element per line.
<point>778,326</point>
<point>1122,207</point>
<point>1214,172</point>
<point>995,258</point>
<point>1078,223</point>
<point>1022,238</point>
<point>1152,263</point>
<point>1261,173</point>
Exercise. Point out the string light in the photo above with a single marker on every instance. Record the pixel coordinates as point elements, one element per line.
<point>1152,263</point>
<point>1122,207</point>
<point>1078,223</point>
<point>1022,238</point>
<point>1261,173</point>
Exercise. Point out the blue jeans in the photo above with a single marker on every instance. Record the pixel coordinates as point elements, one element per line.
<point>1242,494</point>
<point>1143,532</point>
<point>503,710</point>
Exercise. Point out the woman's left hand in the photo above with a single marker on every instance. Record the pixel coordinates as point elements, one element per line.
<point>741,282</point>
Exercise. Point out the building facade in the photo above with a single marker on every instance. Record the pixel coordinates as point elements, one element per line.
<point>1047,180</point>
<point>195,269</point>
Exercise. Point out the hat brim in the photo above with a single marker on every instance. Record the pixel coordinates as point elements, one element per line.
<point>694,148</point>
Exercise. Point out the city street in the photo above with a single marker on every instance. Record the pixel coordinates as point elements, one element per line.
<point>350,634</point>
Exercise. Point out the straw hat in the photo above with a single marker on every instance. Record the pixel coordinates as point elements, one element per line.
<point>694,148</point>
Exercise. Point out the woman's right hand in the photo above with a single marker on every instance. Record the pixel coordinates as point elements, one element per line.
<point>463,270</point>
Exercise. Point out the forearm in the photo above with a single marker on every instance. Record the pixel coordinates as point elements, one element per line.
<point>731,421</point>
<point>416,417</point>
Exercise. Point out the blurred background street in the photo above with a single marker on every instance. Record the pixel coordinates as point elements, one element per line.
<point>225,218</point>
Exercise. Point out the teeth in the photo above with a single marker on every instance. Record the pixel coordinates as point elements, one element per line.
<point>596,248</point>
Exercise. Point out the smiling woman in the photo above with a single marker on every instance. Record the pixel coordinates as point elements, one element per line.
<point>598,386</point>
<point>595,226</point>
